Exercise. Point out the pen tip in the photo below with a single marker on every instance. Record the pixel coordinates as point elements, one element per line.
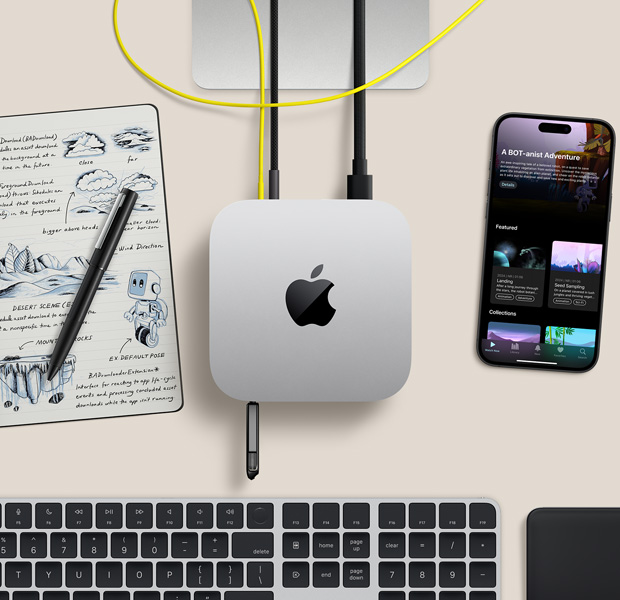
<point>52,373</point>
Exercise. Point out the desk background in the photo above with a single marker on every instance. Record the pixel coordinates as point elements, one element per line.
<point>458,428</point>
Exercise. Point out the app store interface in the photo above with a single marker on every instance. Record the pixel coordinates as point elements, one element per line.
<point>547,227</point>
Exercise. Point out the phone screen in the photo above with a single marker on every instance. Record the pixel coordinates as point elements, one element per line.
<point>546,241</point>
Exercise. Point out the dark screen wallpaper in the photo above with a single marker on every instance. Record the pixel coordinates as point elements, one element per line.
<point>546,241</point>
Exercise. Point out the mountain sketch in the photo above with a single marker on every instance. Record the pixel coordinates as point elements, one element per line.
<point>22,275</point>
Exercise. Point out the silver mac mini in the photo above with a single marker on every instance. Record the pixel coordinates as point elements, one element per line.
<point>310,300</point>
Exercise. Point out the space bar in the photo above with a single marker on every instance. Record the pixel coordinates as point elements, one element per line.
<point>248,596</point>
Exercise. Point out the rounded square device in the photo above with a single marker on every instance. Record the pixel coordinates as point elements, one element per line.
<point>310,300</point>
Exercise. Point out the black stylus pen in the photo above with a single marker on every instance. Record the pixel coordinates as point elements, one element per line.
<point>104,250</point>
<point>252,440</point>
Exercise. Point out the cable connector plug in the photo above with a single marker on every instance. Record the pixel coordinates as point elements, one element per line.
<point>274,184</point>
<point>359,185</point>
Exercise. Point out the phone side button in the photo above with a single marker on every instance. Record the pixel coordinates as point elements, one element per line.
<point>486,214</point>
<point>611,204</point>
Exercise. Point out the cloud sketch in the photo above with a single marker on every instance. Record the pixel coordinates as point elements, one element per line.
<point>83,144</point>
<point>93,181</point>
<point>138,182</point>
<point>103,198</point>
<point>134,138</point>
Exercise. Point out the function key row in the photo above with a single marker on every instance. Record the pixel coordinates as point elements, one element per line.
<point>136,515</point>
<point>392,515</point>
<point>452,515</point>
<point>430,596</point>
<point>212,595</point>
<point>295,515</point>
<point>145,595</point>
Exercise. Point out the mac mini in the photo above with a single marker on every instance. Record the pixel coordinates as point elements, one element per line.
<point>310,300</point>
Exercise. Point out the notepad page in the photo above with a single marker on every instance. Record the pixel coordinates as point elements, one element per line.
<point>59,176</point>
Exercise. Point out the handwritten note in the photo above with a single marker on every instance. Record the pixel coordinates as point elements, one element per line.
<point>59,176</point>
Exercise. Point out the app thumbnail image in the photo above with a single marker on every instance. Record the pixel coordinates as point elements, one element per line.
<point>513,332</point>
<point>574,257</point>
<point>512,253</point>
<point>572,170</point>
<point>569,336</point>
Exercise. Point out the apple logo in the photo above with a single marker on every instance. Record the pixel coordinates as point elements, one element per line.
<point>307,301</point>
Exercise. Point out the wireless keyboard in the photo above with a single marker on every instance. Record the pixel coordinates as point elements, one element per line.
<point>264,549</point>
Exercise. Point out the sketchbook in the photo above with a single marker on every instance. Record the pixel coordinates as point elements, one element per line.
<point>59,176</point>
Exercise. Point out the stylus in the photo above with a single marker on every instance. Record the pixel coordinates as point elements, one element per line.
<point>252,440</point>
<point>99,262</point>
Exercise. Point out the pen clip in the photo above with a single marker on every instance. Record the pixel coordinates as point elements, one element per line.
<point>108,224</point>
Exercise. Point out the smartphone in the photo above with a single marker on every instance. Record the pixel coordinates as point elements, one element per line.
<point>548,215</point>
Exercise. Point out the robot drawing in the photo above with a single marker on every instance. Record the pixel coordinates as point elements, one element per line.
<point>150,312</point>
<point>585,193</point>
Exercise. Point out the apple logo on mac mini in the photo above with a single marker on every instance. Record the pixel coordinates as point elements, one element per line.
<point>307,301</point>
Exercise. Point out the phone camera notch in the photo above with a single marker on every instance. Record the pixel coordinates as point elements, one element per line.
<point>561,128</point>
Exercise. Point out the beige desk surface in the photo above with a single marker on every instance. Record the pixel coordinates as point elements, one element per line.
<point>458,428</point>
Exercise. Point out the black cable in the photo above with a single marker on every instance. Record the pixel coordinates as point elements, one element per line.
<point>359,78</point>
<point>251,419</point>
<point>274,173</point>
<point>359,184</point>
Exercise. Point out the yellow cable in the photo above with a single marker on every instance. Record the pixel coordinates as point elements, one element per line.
<point>261,135</point>
<point>262,104</point>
